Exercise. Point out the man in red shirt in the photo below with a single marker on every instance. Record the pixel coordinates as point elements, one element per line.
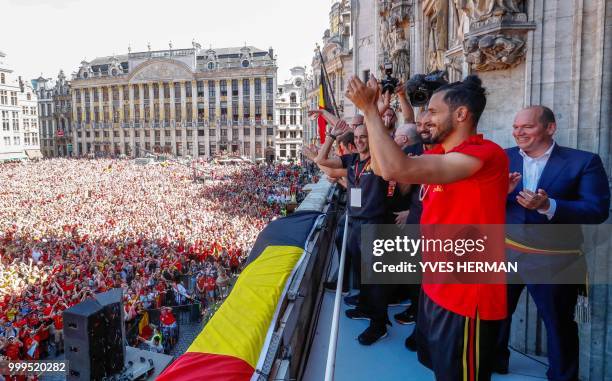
<point>465,181</point>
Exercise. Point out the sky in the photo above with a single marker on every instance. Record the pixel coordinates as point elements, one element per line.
<point>44,36</point>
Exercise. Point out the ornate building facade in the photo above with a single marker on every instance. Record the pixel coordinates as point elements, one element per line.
<point>55,115</point>
<point>337,55</point>
<point>185,102</point>
<point>18,115</point>
<point>290,115</point>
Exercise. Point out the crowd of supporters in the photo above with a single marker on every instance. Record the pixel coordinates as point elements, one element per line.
<point>72,228</point>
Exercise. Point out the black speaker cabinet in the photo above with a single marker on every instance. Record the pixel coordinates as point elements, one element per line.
<point>94,337</point>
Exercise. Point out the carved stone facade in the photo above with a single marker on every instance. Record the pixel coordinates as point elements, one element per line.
<point>394,30</point>
<point>184,102</point>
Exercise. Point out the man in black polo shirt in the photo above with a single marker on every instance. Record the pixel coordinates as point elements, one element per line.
<point>367,194</point>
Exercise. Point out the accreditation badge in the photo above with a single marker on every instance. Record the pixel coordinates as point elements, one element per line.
<point>355,197</point>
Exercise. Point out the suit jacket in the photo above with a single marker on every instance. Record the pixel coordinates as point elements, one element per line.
<point>577,181</point>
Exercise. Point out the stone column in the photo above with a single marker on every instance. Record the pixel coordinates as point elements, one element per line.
<point>194,101</point>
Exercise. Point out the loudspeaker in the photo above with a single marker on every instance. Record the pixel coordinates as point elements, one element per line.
<point>83,329</point>
<point>94,337</point>
<point>114,339</point>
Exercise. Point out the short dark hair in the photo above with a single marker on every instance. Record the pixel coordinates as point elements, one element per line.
<point>347,138</point>
<point>468,93</point>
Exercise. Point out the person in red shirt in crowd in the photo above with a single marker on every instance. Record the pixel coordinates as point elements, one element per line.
<point>12,349</point>
<point>465,181</point>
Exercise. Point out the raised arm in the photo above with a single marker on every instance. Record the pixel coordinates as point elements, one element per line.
<point>407,111</point>
<point>392,163</point>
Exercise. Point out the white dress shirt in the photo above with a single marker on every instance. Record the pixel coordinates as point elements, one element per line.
<point>532,171</point>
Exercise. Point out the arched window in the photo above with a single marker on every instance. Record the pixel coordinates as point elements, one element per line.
<point>292,98</point>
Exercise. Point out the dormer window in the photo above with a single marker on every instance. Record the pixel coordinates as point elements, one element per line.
<point>211,65</point>
<point>245,63</point>
<point>85,74</point>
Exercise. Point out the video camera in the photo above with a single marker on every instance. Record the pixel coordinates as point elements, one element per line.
<point>420,87</point>
<point>388,83</point>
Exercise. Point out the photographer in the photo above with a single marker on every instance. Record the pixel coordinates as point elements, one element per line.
<point>470,176</point>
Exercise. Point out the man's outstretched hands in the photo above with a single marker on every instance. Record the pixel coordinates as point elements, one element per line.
<point>364,96</point>
<point>310,152</point>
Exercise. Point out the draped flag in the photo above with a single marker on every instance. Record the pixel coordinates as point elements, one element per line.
<point>230,344</point>
<point>324,104</point>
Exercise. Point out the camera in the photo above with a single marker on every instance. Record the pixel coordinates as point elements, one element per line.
<point>420,87</point>
<point>388,83</point>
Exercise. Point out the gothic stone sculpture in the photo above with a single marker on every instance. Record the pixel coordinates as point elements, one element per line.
<point>494,52</point>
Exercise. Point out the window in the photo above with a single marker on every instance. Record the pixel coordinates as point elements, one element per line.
<point>234,87</point>
<point>177,91</point>
<point>156,91</point>
<point>223,87</point>
<point>200,88</point>
<point>269,85</point>
<point>212,132</point>
<point>5,121</point>
<point>14,98</point>
<point>177,112</point>
<point>15,121</point>
<point>16,140</point>
<point>292,134</point>
<point>3,97</point>
<point>292,117</point>
<point>7,141</point>
<point>270,131</point>
<point>115,134</point>
<point>283,150</point>
<point>145,91</point>
<point>292,98</point>
<point>29,96</point>
<point>293,150</point>
<point>200,132</point>
<point>283,117</point>
<point>166,90</point>
<point>2,78</point>
<point>283,135</point>
<point>211,89</point>
<point>257,86</point>
<point>245,63</point>
<point>188,89</point>
<point>167,133</point>
<point>246,132</point>
<point>258,132</point>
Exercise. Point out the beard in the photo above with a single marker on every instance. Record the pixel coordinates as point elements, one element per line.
<point>445,128</point>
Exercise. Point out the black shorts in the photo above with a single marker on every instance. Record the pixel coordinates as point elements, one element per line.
<point>455,347</point>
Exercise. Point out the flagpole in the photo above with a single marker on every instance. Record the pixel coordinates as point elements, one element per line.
<point>328,83</point>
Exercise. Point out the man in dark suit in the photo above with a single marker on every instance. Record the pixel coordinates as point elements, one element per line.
<point>549,184</point>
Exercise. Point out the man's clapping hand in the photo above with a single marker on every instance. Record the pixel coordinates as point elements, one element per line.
<point>363,95</point>
<point>533,201</point>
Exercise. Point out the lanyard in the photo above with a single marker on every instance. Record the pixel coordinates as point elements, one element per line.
<point>357,173</point>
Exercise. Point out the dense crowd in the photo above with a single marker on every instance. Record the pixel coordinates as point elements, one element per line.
<point>71,228</point>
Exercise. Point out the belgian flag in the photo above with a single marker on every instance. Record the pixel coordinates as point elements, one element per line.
<point>230,346</point>
<point>324,104</point>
